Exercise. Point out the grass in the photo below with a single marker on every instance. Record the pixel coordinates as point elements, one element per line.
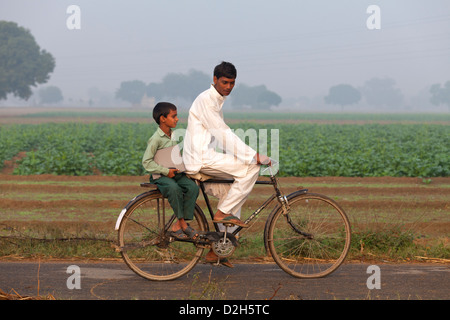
<point>396,244</point>
<point>71,223</point>
<point>71,183</point>
<point>391,243</point>
<point>56,240</point>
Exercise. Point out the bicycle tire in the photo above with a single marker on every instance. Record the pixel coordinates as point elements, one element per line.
<point>145,244</point>
<point>325,241</point>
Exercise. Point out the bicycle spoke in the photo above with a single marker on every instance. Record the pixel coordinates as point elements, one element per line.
<point>146,247</point>
<point>323,250</point>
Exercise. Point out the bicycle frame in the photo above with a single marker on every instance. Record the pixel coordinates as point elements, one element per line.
<point>252,216</point>
<point>278,195</point>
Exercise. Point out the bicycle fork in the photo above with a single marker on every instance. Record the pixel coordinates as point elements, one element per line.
<point>286,209</point>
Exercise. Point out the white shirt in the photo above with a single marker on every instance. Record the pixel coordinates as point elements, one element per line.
<point>207,130</point>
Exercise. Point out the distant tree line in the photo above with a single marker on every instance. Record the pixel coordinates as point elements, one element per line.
<point>189,86</point>
<point>440,95</point>
<point>381,93</point>
<point>377,92</point>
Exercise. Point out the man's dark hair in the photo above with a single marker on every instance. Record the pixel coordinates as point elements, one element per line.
<point>225,69</point>
<point>162,109</point>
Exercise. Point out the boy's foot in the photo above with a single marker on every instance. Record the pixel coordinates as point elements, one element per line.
<point>191,233</point>
<point>179,234</point>
<point>230,219</point>
<point>184,234</point>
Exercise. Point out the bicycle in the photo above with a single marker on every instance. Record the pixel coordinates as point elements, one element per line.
<point>307,234</point>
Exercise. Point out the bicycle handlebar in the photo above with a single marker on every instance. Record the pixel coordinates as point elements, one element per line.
<point>269,167</point>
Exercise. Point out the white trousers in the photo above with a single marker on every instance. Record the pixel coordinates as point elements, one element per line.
<point>231,196</point>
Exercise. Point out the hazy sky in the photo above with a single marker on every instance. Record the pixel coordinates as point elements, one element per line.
<point>296,48</point>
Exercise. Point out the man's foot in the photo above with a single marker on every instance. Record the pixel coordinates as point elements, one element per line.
<point>229,219</point>
<point>211,257</point>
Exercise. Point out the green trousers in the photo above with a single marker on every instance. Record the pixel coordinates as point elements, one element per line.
<point>181,192</point>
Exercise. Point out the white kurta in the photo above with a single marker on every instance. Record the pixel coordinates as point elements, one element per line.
<point>205,122</point>
<point>207,130</point>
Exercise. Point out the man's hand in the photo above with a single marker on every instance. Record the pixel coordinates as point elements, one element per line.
<point>262,159</point>
<point>172,172</point>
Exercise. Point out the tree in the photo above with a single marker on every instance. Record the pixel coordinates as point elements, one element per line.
<point>188,86</point>
<point>440,95</point>
<point>22,63</point>
<point>256,97</point>
<point>50,95</point>
<point>132,91</point>
<point>343,95</point>
<point>266,99</point>
<point>155,90</point>
<point>178,85</point>
<point>382,93</point>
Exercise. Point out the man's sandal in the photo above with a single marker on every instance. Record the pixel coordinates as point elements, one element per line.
<point>230,219</point>
<point>224,261</point>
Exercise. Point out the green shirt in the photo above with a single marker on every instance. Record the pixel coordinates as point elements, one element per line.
<point>159,140</point>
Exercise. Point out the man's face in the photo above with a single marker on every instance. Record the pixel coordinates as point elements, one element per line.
<point>224,85</point>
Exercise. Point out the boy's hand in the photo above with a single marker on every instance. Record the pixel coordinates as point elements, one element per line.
<point>172,172</point>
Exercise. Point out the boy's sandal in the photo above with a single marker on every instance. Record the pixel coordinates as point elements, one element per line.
<point>191,233</point>
<point>230,219</point>
<point>179,235</point>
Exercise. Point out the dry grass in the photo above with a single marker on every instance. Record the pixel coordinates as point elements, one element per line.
<point>16,296</point>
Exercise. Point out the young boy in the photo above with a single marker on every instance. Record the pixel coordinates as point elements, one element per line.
<point>181,191</point>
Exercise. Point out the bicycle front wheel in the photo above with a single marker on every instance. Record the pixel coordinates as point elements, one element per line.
<point>312,239</point>
<point>146,245</point>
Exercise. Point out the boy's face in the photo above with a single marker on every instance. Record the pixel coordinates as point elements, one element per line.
<point>224,85</point>
<point>171,119</point>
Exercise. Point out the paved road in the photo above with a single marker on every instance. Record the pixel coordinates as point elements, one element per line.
<point>112,281</point>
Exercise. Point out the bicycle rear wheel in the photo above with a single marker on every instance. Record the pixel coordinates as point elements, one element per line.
<point>313,239</point>
<point>146,245</point>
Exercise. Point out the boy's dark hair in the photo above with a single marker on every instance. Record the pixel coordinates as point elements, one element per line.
<point>225,69</point>
<point>162,109</point>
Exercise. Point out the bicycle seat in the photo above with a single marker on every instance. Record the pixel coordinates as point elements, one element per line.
<point>148,185</point>
<point>201,177</point>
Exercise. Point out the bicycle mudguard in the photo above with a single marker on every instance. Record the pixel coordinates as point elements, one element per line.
<point>124,210</point>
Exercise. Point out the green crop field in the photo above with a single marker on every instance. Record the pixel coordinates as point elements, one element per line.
<point>349,150</point>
